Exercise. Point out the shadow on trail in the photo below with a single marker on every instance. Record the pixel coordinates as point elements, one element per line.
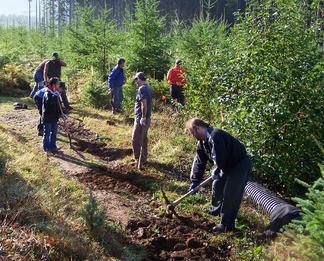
<point>76,161</point>
<point>18,136</point>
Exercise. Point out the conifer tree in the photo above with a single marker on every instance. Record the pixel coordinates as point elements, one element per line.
<point>148,43</point>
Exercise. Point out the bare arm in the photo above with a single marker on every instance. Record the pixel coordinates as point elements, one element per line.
<point>62,63</point>
<point>144,107</point>
<point>46,72</point>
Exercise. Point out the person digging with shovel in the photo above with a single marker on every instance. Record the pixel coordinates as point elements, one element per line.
<point>232,167</point>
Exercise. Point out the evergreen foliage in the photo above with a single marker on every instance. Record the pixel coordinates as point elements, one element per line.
<point>95,94</point>
<point>147,44</point>
<point>92,215</point>
<point>91,39</point>
<point>311,244</point>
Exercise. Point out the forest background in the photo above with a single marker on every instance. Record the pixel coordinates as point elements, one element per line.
<point>254,68</point>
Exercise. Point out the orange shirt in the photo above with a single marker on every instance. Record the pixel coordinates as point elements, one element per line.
<point>177,75</point>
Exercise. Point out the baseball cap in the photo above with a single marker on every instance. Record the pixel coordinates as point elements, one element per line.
<point>55,54</point>
<point>140,75</point>
<point>178,61</point>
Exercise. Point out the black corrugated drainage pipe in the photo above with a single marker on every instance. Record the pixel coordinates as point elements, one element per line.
<point>281,212</point>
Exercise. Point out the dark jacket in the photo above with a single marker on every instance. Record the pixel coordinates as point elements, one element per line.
<point>50,107</point>
<point>221,148</point>
<point>116,77</point>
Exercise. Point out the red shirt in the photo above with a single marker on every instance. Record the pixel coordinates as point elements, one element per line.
<point>177,75</point>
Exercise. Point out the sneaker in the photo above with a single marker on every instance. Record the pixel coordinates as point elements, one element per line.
<point>212,210</point>
<point>40,133</point>
<point>222,229</point>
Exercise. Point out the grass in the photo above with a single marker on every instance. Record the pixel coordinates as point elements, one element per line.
<point>41,197</point>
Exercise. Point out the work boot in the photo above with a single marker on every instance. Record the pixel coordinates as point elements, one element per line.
<point>212,210</point>
<point>222,228</point>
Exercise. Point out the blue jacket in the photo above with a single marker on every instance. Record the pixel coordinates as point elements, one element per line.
<point>116,77</point>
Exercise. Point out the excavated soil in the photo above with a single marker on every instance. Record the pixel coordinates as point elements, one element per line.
<point>127,193</point>
<point>164,236</point>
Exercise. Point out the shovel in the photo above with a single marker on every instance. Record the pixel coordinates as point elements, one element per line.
<point>65,123</point>
<point>170,207</point>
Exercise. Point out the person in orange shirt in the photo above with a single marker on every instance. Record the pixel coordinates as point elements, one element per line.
<point>177,77</point>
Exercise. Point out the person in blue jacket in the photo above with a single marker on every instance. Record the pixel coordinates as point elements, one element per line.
<point>116,80</point>
<point>50,114</point>
<point>232,167</point>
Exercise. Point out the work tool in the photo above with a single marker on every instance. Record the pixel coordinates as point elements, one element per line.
<point>170,207</point>
<point>65,122</point>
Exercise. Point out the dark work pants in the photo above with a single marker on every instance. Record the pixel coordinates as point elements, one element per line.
<point>177,93</point>
<point>65,99</point>
<point>227,192</point>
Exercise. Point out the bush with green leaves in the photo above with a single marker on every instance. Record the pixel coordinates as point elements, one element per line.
<point>266,80</point>
<point>96,94</point>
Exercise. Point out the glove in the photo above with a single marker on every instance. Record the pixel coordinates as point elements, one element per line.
<point>143,121</point>
<point>56,93</point>
<point>64,116</point>
<point>216,174</point>
<point>193,185</point>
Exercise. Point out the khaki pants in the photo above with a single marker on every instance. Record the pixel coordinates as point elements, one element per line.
<point>139,141</point>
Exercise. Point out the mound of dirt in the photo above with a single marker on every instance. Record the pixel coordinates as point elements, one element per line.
<point>173,239</point>
<point>115,178</point>
<point>86,141</point>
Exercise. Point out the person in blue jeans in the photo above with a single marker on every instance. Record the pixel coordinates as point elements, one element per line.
<point>38,78</point>
<point>50,115</point>
<point>116,80</point>
<point>232,167</point>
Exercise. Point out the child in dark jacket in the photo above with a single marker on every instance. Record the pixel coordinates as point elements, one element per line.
<point>50,114</point>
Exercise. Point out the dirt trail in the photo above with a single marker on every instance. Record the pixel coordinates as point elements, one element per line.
<point>124,193</point>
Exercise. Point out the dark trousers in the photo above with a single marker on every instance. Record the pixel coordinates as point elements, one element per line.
<point>177,93</point>
<point>38,102</point>
<point>227,192</point>
<point>65,99</point>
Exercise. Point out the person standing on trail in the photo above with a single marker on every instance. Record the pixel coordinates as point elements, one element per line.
<point>143,107</point>
<point>116,80</point>
<point>52,69</point>
<point>232,167</point>
<point>177,77</point>
<point>50,115</point>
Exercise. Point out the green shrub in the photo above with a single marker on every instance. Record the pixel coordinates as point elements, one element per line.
<point>96,94</point>
<point>267,81</point>
<point>92,215</point>
<point>310,245</point>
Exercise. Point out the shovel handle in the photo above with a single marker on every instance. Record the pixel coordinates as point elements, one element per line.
<point>176,202</point>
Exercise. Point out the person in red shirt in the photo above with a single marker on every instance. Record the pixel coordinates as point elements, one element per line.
<point>177,77</point>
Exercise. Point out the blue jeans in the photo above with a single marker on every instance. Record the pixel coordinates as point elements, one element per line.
<point>117,97</point>
<point>49,137</point>
<point>39,83</point>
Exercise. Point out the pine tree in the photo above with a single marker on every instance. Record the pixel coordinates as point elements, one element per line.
<point>148,43</point>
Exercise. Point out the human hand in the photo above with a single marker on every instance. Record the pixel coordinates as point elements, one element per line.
<point>143,121</point>
<point>216,174</point>
<point>194,185</point>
